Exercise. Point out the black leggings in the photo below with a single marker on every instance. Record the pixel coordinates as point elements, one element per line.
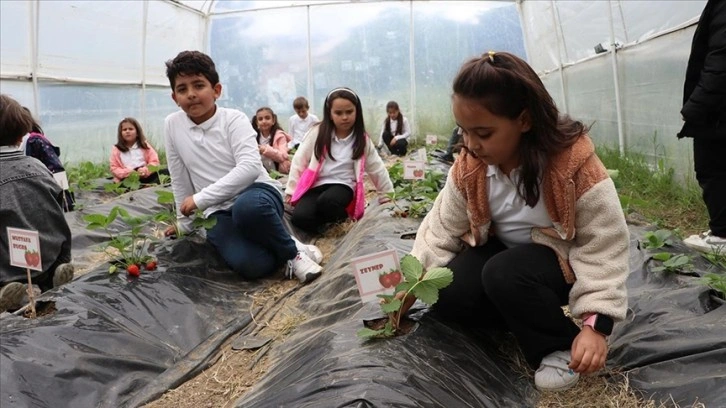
<point>322,206</point>
<point>708,159</point>
<point>519,289</point>
<point>399,148</point>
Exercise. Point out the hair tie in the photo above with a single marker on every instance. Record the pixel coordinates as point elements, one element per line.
<point>350,91</point>
<point>489,55</point>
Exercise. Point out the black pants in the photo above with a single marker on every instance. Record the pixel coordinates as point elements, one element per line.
<point>519,289</point>
<point>709,159</point>
<point>321,206</point>
<point>399,148</point>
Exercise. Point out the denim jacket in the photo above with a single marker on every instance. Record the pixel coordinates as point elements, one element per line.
<point>31,199</point>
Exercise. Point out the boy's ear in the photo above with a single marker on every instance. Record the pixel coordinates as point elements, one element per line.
<point>525,121</point>
<point>217,91</point>
<point>173,96</point>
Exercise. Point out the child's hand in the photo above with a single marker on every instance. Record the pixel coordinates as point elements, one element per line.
<point>170,231</point>
<point>288,198</point>
<point>589,351</point>
<point>188,206</point>
<point>143,171</point>
<point>262,149</point>
<point>383,200</point>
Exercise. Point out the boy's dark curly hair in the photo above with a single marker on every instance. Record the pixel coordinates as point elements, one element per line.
<point>191,63</point>
<point>15,121</point>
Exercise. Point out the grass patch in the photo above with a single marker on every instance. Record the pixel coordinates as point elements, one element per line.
<point>656,193</point>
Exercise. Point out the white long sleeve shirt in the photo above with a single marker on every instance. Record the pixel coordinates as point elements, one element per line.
<point>213,161</point>
<point>299,127</point>
<point>405,129</point>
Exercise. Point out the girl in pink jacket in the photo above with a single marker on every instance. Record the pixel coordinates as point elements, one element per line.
<point>272,141</point>
<point>132,152</point>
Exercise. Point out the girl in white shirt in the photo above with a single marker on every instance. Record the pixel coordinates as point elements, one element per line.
<point>325,182</point>
<point>396,130</point>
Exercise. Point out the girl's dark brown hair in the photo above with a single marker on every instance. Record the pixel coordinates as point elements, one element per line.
<point>15,121</point>
<point>399,119</point>
<point>507,86</point>
<point>275,127</point>
<point>325,131</point>
<point>140,138</point>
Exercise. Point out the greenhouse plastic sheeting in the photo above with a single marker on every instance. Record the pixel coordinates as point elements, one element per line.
<point>324,362</point>
<point>673,341</point>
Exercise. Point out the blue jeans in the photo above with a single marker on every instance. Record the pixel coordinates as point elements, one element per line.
<point>251,236</point>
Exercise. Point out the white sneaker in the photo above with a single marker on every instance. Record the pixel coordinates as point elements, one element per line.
<point>305,269</point>
<point>706,242</point>
<point>553,373</point>
<point>311,251</point>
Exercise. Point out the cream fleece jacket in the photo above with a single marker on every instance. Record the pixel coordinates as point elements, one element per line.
<point>590,235</point>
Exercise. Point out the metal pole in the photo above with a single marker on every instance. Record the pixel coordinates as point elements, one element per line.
<point>144,24</point>
<point>412,67</point>
<point>616,80</point>
<point>34,34</point>
<point>310,87</point>
<point>560,46</point>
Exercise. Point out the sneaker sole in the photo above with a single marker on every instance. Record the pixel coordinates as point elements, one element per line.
<point>561,388</point>
<point>11,295</point>
<point>63,274</point>
<point>697,243</point>
<point>312,276</point>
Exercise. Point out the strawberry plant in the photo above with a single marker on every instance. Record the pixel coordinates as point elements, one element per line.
<point>717,283</point>
<point>672,263</point>
<point>416,284</point>
<point>130,245</point>
<point>130,183</point>
<point>413,198</point>
<point>657,239</point>
<point>81,176</point>
<point>167,216</point>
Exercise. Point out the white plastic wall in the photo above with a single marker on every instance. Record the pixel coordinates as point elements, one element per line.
<point>82,66</point>
<point>402,51</point>
<point>646,81</point>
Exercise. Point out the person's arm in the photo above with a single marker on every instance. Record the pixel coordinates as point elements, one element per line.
<point>707,99</point>
<point>243,144</point>
<point>150,155</point>
<point>278,150</point>
<point>118,169</point>
<point>600,254</point>
<point>406,129</point>
<point>181,181</point>
<point>293,123</point>
<point>381,142</point>
<point>301,159</point>
<point>438,238</point>
<point>376,170</point>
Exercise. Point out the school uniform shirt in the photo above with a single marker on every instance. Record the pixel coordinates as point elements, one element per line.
<point>405,129</point>
<point>266,161</point>
<point>121,170</point>
<point>299,127</point>
<point>133,158</point>
<point>512,218</point>
<point>213,161</point>
<point>339,171</point>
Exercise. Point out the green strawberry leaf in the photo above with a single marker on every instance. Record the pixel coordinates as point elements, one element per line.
<point>411,268</point>
<point>427,292</point>
<point>367,333</point>
<point>393,306</point>
<point>439,277</point>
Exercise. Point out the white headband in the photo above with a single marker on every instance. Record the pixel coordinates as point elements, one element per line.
<point>327,98</point>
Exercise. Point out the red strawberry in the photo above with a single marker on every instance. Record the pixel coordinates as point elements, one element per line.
<point>395,277</point>
<point>36,258</point>
<point>133,270</point>
<point>385,280</point>
<point>151,265</point>
<point>28,258</point>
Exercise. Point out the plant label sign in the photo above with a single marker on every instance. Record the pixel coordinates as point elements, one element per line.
<point>377,273</point>
<point>413,170</point>
<point>432,139</point>
<point>24,248</point>
<point>62,179</point>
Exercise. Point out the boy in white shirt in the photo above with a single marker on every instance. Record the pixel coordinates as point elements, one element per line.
<point>301,121</point>
<point>215,166</point>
